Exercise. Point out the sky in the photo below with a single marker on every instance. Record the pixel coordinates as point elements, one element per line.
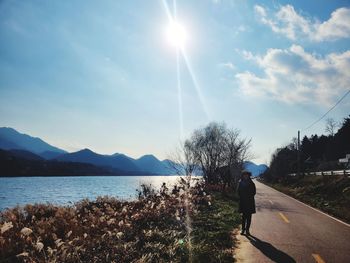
<point>103,75</point>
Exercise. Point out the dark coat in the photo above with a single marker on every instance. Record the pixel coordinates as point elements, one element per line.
<point>246,192</point>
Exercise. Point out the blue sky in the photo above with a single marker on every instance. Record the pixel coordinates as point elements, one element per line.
<point>102,75</point>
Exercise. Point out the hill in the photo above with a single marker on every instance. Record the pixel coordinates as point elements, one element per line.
<point>24,163</point>
<point>11,139</point>
<point>255,169</point>
<point>151,164</point>
<point>118,161</point>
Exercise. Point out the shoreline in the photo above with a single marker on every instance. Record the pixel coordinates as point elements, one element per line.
<point>153,227</point>
<point>66,190</point>
<point>105,175</point>
<point>175,224</point>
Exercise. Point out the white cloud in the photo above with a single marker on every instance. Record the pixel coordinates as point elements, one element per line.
<point>260,10</point>
<point>296,76</point>
<point>338,26</point>
<point>288,22</point>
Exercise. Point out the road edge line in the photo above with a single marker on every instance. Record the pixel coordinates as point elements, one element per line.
<point>285,219</point>
<point>318,258</point>
<point>336,219</point>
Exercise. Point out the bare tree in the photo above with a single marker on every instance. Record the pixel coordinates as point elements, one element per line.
<point>183,161</point>
<point>236,152</point>
<point>331,126</point>
<point>208,149</point>
<point>219,152</point>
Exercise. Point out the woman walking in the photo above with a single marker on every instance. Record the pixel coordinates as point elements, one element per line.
<point>246,192</point>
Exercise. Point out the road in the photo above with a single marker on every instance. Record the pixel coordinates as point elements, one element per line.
<point>285,230</point>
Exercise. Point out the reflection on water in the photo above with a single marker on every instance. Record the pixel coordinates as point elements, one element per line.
<point>65,190</point>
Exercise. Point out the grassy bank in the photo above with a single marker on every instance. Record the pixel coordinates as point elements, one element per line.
<point>330,194</point>
<point>212,229</point>
<point>155,228</point>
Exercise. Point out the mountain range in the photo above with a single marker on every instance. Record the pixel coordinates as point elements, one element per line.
<point>21,145</point>
<point>24,147</point>
<point>12,139</point>
<point>147,163</point>
<point>24,163</point>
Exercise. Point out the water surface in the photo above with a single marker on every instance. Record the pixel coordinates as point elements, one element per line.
<point>67,190</point>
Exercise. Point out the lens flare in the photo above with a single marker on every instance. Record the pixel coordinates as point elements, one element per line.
<point>176,34</point>
<point>179,95</point>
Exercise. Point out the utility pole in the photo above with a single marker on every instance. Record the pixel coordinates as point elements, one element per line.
<point>298,156</point>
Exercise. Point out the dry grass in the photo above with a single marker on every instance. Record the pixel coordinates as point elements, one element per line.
<point>151,229</point>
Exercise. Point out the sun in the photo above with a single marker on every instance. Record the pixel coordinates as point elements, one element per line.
<point>176,34</point>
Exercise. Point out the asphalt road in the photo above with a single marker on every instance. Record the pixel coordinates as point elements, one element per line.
<point>285,230</point>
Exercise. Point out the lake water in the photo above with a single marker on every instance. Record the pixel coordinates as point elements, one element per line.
<point>67,190</point>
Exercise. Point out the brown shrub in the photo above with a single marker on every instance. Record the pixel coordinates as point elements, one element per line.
<point>151,229</point>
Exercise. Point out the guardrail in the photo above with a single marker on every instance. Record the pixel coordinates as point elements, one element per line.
<point>338,172</point>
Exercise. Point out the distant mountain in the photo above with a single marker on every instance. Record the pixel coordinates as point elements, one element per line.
<point>8,145</point>
<point>23,163</point>
<point>23,154</point>
<point>256,170</point>
<point>118,161</point>
<point>31,148</point>
<point>49,155</point>
<point>12,139</point>
<point>149,163</point>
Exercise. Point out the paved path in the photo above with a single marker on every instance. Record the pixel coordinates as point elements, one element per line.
<point>285,230</point>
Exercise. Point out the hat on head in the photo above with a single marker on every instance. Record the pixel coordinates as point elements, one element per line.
<point>246,172</point>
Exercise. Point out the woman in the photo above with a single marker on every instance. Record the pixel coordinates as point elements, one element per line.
<point>246,192</point>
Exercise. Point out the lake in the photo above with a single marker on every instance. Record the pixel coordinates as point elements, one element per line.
<point>67,190</point>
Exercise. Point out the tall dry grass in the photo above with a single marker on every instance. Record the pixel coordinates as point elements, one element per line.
<point>151,229</point>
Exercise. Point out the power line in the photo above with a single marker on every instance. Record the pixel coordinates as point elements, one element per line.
<point>324,115</point>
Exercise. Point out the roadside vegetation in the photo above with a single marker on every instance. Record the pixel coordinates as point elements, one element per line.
<point>317,153</point>
<point>169,225</point>
<point>213,228</point>
<point>329,193</point>
<point>151,229</point>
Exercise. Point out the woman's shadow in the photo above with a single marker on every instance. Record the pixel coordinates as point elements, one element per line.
<point>270,251</point>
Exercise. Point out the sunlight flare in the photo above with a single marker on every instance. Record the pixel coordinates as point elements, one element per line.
<point>176,34</point>
<point>179,95</point>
